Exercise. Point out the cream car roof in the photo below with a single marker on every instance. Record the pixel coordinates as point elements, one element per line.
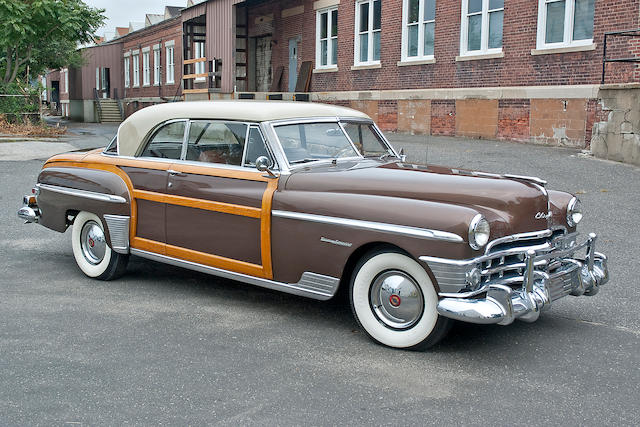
<point>132,131</point>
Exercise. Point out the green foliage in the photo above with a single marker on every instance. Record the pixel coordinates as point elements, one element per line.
<point>16,100</point>
<point>43,34</point>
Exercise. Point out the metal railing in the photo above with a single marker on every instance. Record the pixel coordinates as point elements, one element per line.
<point>605,60</point>
<point>96,101</point>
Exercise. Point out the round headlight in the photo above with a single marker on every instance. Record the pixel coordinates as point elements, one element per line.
<point>574,212</point>
<point>478,232</point>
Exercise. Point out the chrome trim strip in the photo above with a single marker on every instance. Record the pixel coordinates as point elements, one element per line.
<point>83,193</point>
<point>534,179</point>
<point>311,285</point>
<point>371,225</point>
<point>118,226</point>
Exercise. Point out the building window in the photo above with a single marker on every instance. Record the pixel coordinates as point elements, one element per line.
<point>367,41</point>
<point>170,65</point>
<point>327,38</point>
<point>146,71</point>
<point>199,53</point>
<point>136,70</point>
<point>156,66</point>
<point>419,21</point>
<point>481,27</point>
<point>66,80</point>
<point>127,72</point>
<point>564,23</point>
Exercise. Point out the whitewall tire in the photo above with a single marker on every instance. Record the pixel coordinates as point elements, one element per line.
<point>91,251</point>
<point>394,301</point>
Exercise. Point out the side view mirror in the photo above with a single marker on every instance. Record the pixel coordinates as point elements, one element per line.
<point>263,164</point>
<point>403,157</point>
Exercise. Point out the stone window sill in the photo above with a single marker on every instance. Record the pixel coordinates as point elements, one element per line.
<point>479,57</point>
<point>566,49</point>
<point>325,70</point>
<point>407,63</point>
<point>366,67</point>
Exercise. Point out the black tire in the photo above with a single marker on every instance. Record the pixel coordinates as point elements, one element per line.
<point>415,326</point>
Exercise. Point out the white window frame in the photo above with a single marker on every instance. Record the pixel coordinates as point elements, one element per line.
<point>136,70</point>
<point>156,65</point>
<point>198,52</point>
<point>405,33</point>
<point>567,40</point>
<point>484,32</point>
<point>170,64</point>
<point>146,69</point>
<point>127,72</point>
<point>329,39</point>
<point>369,32</point>
<point>66,80</point>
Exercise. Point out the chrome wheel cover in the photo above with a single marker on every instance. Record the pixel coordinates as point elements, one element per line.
<point>396,299</point>
<point>93,242</point>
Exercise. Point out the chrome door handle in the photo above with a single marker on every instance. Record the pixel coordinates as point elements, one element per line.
<point>176,173</point>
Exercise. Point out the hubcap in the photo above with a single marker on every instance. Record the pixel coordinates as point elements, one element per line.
<point>396,299</point>
<point>93,242</point>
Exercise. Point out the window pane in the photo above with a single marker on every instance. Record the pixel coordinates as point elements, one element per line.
<point>429,10</point>
<point>377,14</point>
<point>583,20</point>
<point>314,141</point>
<point>167,142</point>
<point>216,142</point>
<point>414,11</point>
<point>475,6</point>
<point>323,25</point>
<point>323,52</point>
<point>364,47</point>
<point>364,138</point>
<point>496,4</point>
<point>334,23</point>
<point>412,47</point>
<point>495,29</point>
<point>364,17</point>
<point>555,22</point>
<point>475,31</point>
<point>334,51</point>
<point>376,46</point>
<point>429,30</point>
<point>255,148</point>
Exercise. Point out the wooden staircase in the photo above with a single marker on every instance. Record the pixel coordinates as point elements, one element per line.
<point>109,110</point>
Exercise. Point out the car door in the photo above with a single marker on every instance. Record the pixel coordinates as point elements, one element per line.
<point>148,175</point>
<point>218,206</point>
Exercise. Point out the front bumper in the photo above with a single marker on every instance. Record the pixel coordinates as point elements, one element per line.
<point>523,297</point>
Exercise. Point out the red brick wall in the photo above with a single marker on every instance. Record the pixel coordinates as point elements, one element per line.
<point>513,119</point>
<point>160,33</point>
<point>517,68</point>
<point>443,117</point>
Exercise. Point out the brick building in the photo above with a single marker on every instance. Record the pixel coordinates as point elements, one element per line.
<point>523,70</point>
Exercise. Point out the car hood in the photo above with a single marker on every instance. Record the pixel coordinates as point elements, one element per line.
<point>511,205</point>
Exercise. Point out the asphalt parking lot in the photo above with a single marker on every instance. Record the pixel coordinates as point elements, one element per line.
<point>164,345</point>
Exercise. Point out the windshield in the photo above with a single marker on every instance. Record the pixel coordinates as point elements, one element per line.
<point>308,142</point>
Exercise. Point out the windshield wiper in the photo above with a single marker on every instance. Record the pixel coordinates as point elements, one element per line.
<point>295,162</point>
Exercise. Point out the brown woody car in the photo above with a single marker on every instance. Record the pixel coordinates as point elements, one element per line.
<point>305,197</point>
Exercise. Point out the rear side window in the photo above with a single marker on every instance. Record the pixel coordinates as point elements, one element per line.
<point>216,142</point>
<point>166,142</point>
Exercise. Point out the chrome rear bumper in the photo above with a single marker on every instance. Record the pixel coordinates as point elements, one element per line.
<point>502,302</point>
<point>29,212</point>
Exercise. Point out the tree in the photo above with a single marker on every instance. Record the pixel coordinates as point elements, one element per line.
<point>44,34</point>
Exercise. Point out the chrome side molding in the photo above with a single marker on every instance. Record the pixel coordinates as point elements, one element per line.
<point>405,230</point>
<point>103,197</point>
<point>311,285</point>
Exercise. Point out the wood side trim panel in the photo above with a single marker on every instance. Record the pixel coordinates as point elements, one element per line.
<point>189,202</point>
<point>97,161</point>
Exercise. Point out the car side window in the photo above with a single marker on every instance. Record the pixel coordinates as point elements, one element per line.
<point>216,142</point>
<point>166,142</point>
<point>255,148</point>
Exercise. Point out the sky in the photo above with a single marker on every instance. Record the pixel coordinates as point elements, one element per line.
<point>120,12</point>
